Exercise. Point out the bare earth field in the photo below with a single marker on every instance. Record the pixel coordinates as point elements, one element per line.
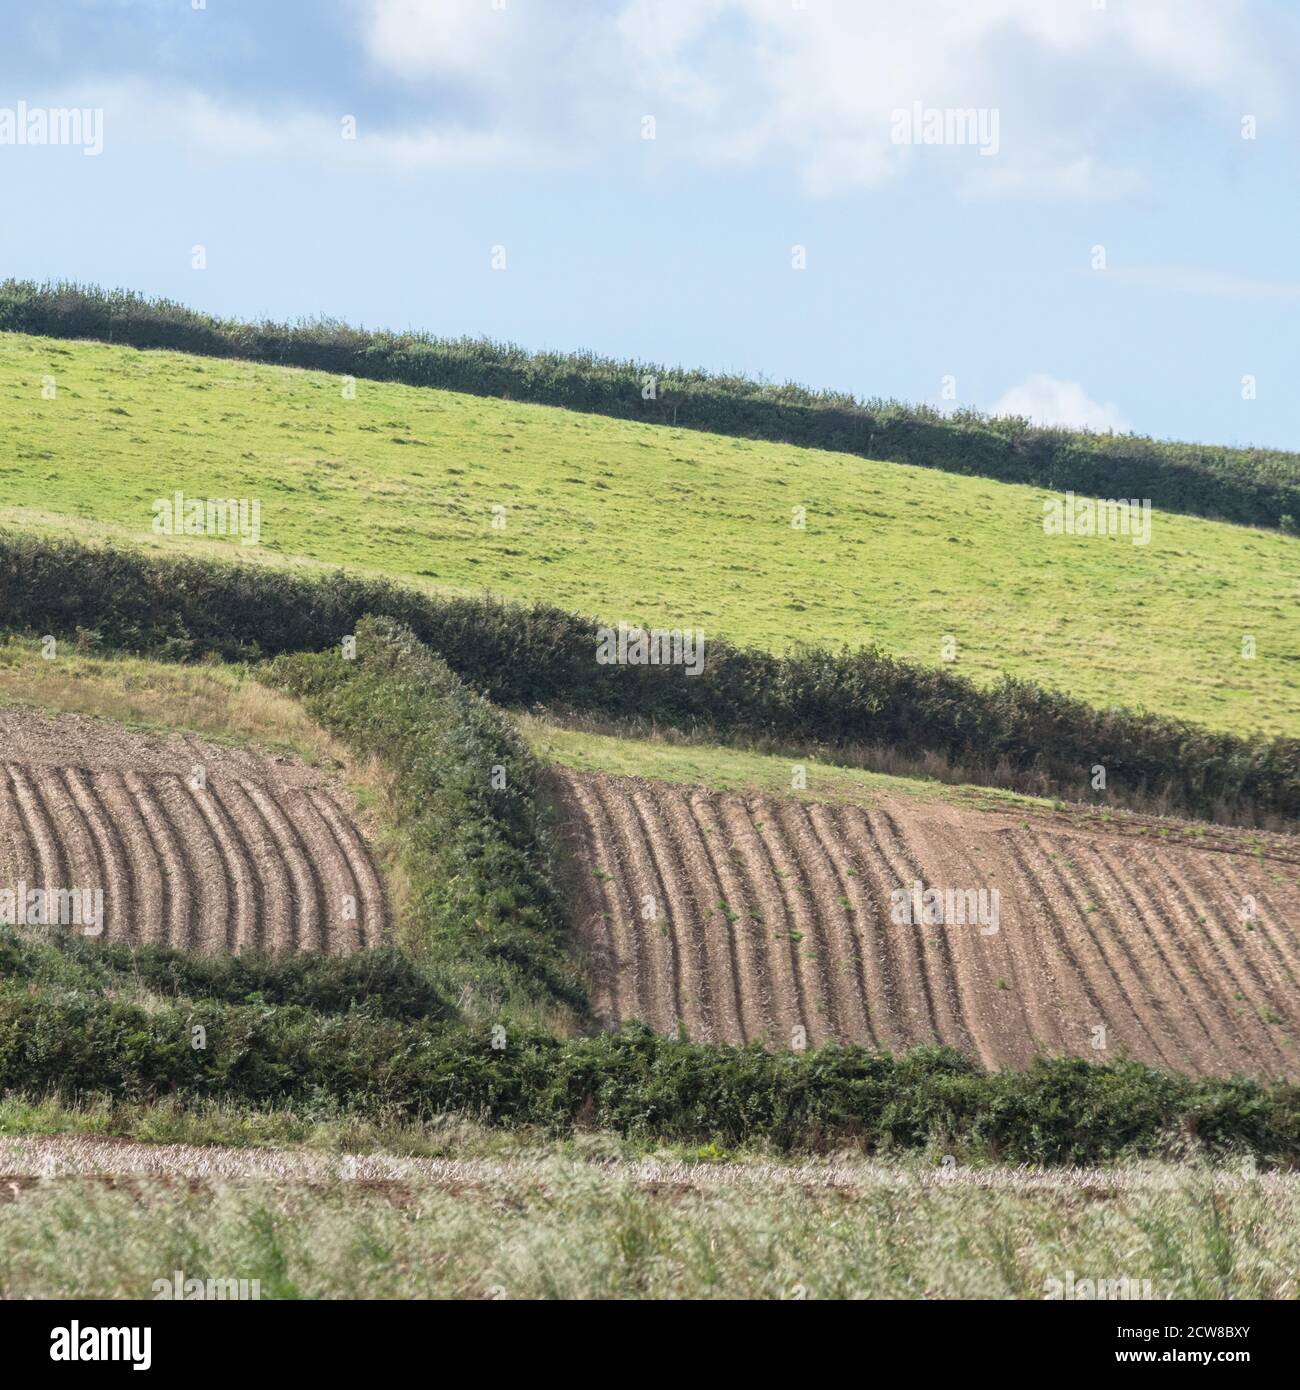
<point>772,914</point>
<point>266,854</point>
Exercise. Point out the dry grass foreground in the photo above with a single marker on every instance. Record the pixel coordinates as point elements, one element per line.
<point>259,852</point>
<point>91,1218</point>
<point>773,915</point>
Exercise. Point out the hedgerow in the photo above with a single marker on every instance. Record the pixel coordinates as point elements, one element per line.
<point>520,655</point>
<point>381,979</point>
<point>1259,487</point>
<point>485,920</point>
<point>81,1043</point>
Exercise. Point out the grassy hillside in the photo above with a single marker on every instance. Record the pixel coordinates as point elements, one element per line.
<point>672,527</point>
<point>1257,487</point>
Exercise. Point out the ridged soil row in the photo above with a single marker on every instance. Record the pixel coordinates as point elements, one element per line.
<point>1231,1044</point>
<point>921,1017</point>
<point>780,917</point>
<point>698,984</point>
<point>187,851</point>
<point>748,934</point>
<point>1076,997</point>
<point>837,939</point>
<point>716,917</point>
<point>1001,994</point>
<point>1100,952</point>
<point>119,890</point>
<point>1260,951</point>
<point>307,892</point>
<point>643,915</point>
<point>767,924</point>
<point>1151,979</point>
<point>1223,954</point>
<point>601,908</point>
<point>861,931</point>
<point>144,868</point>
<point>225,866</point>
<point>370,899</point>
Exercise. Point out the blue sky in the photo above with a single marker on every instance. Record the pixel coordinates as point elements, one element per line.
<point>520,125</point>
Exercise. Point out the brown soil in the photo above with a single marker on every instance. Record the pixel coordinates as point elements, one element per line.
<point>772,915</point>
<point>264,855</point>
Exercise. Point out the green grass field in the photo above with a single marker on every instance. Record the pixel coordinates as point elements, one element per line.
<point>655,525</point>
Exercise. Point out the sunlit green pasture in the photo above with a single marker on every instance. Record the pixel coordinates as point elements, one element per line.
<point>653,525</point>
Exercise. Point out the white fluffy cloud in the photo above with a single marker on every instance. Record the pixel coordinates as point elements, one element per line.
<point>1045,400</point>
<point>735,81</point>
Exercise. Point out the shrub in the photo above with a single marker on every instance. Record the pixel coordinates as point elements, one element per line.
<point>485,918</point>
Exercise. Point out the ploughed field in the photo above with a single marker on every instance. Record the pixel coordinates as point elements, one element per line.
<point>195,845</point>
<point>751,917</point>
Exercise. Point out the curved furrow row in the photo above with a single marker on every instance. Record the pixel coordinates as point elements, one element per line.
<point>275,915</point>
<point>307,895</point>
<point>1236,1041</point>
<point>1225,959</point>
<point>940,969</point>
<point>1076,999</point>
<point>765,919</point>
<point>713,914</point>
<point>851,954</point>
<point>1278,947</point>
<point>748,950</point>
<point>1117,980</point>
<point>643,915</point>
<point>797,913</point>
<point>997,1004</point>
<point>1016,999</point>
<point>41,833</point>
<point>929,1020</point>
<point>18,856</point>
<point>1163,964</point>
<point>837,947</point>
<point>695,995</point>
<point>306,906</point>
<point>341,927</point>
<point>143,866</point>
<point>909,1019</point>
<point>226,866</point>
<point>370,905</point>
<point>245,898</point>
<point>695,919</point>
<point>156,804</point>
<point>599,924</point>
<point>885,1007</point>
<point>112,855</point>
<point>645,997</point>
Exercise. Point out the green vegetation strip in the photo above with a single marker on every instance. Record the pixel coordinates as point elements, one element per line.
<point>1016,733</point>
<point>1257,486</point>
<point>69,1026</point>
<point>485,919</point>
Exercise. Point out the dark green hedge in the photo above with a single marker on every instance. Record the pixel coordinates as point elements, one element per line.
<point>519,655</point>
<point>382,979</point>
<point>1259,487</point>
<point>485,918</point>
<point>79,1043</point>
